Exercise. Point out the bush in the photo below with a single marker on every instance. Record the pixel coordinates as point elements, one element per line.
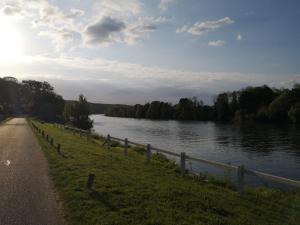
<point>279,108</point>
<point>77,113</point>
<point>294,113</point>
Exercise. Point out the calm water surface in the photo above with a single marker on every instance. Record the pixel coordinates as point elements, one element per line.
<point>269,148</point>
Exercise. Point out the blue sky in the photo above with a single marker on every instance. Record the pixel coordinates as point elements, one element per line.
<point>136,51</point>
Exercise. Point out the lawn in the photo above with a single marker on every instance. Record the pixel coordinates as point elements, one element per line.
<point>128,191</point>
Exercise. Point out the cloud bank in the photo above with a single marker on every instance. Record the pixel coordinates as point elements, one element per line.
<point>120,82</point>
<point>165,4</point>
<point>202,27</point>
<point>217,43</point>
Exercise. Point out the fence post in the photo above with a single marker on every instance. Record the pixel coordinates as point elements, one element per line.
<point>90,181</point>
<point>58,148</point>
<point>182,163</point>
<point>43,133</point>
<point>125,146</point>
<point>51,141</point>
<point>47,137</point>
<point>108,142</point>
<point>240,174</point>
<point>148,153</point>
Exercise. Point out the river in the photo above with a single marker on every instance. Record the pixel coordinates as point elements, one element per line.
<point>273,149</point>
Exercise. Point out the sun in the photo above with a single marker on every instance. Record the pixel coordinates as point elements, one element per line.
<point>11,46</point>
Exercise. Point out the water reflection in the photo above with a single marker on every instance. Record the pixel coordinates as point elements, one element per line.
<point>264,147</point>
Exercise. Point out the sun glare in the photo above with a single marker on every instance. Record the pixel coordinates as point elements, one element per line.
<point>10,41</point>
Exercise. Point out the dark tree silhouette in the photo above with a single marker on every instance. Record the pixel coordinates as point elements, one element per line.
<point>77,113</point>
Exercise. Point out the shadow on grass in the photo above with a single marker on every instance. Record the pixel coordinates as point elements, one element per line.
<point>102,197</point>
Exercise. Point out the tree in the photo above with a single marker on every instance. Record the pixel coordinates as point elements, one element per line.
<point>252,99</point>
<point>153,111</point>
<point>139,111</point>
<point>279,108</point>
<point>10,97</point>
<point>222,107</point>
<point>184,109</point>
<point>166,110</point>
<point>77,113</point>
<point>294,113</point>
<point>39,99</point>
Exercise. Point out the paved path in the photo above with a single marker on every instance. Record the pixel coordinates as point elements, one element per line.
<point>26,193</point>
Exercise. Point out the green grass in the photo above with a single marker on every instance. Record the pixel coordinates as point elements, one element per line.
<point>129,191</point>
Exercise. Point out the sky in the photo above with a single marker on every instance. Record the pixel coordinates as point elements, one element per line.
<point>135,51</point>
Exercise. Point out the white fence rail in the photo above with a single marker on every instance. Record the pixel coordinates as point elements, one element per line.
<point>240,170</point>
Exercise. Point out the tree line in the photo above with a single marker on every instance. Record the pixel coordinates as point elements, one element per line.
<point>38,99</point>
<point>259,104</point>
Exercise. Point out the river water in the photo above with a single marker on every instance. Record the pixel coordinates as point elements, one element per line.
<point>273,149</point>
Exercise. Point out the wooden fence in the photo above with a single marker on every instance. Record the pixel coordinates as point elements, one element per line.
<point>240,170</point>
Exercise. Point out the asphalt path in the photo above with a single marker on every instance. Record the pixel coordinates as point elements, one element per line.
<point>26,193</point>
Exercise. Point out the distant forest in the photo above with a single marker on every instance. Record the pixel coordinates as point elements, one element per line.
<point>259,104</point>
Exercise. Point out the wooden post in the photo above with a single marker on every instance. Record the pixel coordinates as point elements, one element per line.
<point>43,133</point>
<point>182,163</point>
<point>47,137</point>
<point>90,181</point>
<point>125,146</point>
<point>108,142</point>
<point>148,153</point>
<point>240,174</point>
<point>58,148</point>
<point>51,141</point>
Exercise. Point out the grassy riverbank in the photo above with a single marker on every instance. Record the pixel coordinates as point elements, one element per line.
<point>129,191</point>
<point>5,119</point>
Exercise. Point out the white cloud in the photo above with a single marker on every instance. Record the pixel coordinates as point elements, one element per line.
<point>239,37</point>
<point>200,28</point>
<point>165,4</point>
<point>11,10</point>
<point>141,28</point>
<point>217,43</point>
<point>109,30</point>
<point>60,37</point>
<point>129,80</point>
<point>76,12</point>
<point>128,23</point>
<point>50,21</point>
<point>119,8</point>
<point>110,22</point>
<point>182,29</point>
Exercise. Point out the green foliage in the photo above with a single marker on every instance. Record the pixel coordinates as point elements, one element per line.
<point>120,111</point>
<point>262,114</point>
<point>129,191</point>
<point>77,113</point>
<point>260,104</point>
<point>30,97</point>
<point>10,96</point>
<point>294,113</point>
<point>222,107</point>
<point>153,111</point>
<point>252,99</point>
<point>279,108</point>
<point>184,109</point>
